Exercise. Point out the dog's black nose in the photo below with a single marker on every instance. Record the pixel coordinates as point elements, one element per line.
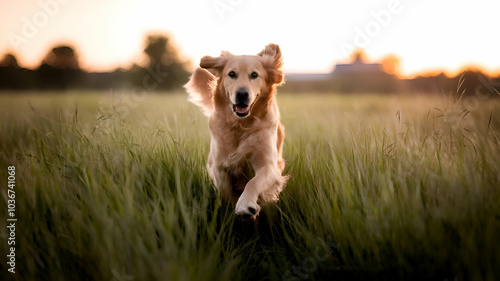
<point>241,96</point>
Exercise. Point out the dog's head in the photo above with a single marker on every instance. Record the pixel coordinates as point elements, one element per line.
<point>244,79</point>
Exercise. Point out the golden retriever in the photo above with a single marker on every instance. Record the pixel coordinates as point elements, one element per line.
<point>237,93</point>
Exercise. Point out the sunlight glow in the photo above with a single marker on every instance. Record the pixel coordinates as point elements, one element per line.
<point>427,36</point>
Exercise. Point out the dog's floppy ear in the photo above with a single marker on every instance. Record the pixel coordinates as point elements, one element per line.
<point>215,64</point>
<point>273,62</point>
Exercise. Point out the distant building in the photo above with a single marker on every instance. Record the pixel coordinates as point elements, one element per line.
<point>358,67</point>
<point>359,76</point>
<point>355,77</point>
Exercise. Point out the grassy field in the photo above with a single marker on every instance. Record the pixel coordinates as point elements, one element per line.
<point>382,187</point>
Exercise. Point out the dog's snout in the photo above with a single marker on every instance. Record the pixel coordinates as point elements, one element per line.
<point>241,96</point>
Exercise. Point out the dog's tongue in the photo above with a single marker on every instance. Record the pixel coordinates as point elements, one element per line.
<point>241,109</point>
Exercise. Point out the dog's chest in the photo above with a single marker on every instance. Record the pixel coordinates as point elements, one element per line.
<point>232,151</point>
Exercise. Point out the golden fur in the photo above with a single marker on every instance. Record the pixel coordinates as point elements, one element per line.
<point>237,93</point>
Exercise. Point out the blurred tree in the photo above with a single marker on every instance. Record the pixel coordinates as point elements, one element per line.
<point>10,61</point>
<point>156,48</point>
<point>12,76</point>
<point>62,57</point>
<point>165,70</point>
<point>59,69</point>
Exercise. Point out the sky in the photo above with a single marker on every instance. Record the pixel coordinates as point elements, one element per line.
<point>314,35</point>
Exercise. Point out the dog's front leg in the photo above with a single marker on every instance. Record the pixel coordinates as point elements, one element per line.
<point>223,183</point>
<point>267,177</point>
<point>218,173</point>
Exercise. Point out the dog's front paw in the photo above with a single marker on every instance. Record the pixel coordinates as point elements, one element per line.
<point>247,209</point>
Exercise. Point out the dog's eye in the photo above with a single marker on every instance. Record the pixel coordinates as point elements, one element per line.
<point>254,75</point>
<point>232,74</point>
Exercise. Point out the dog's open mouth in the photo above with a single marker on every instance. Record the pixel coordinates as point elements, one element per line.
<point>241,110</point>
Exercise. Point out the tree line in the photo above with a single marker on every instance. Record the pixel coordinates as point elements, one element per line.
<point>60,69</point>
<point>165,70</point>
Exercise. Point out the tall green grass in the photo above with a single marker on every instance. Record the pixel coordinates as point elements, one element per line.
<point>382,187</point>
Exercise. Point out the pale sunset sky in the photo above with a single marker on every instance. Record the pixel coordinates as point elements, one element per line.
<point>314,35</point>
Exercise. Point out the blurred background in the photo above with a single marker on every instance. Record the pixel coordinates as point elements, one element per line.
<point>384,46</point>
<point>394,176</point>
